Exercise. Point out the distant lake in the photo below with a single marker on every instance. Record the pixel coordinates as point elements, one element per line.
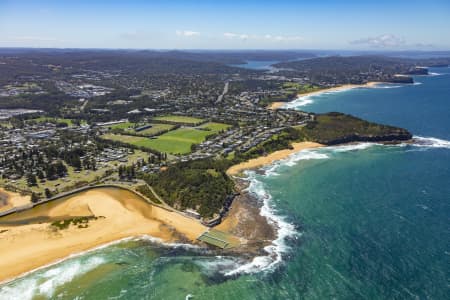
<point>257,64</point>
<point>264,64</point>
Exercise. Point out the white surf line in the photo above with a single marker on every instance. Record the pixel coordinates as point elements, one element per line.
<point>429,142</point>
<point>78,254</point>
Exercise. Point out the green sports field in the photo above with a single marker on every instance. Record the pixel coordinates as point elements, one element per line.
<point>155,129</point>
<point>177,141</point>
<point>130,127</point>
<point>179,119</point>
<point>123,126</point>
<point>69,122</point>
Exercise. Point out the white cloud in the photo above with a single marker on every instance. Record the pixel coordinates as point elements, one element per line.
<point>239,36</point>
<point>267,37</point>
<point>187,33</point>
<point>381,41</point>
<point>287,38</point>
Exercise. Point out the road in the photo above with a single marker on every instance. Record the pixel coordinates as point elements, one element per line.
<point>225,91</point>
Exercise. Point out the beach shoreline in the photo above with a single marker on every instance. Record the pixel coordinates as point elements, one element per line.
<point>261,161</point>
<point>120,216</point>
<point>115,215</point>
<point>345,87</point>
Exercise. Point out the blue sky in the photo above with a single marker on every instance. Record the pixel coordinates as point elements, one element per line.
<point>278,24</point>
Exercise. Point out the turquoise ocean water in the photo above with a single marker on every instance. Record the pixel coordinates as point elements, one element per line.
<point>356,222</point>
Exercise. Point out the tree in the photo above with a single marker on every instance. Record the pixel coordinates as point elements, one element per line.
<point>121,170</point>
<point>87,163</point>
<point>76,163</point>
<point>93,165</point>
<point>40,174</point>
<point>47,192</point>
<point>34,197</point>
<point>31,180</point>
<point>50,172</point>
<point>61,169</point>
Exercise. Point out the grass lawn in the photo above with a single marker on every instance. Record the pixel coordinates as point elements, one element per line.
<point>155,129</point>
<point>177,141</point>
<point>179,119</point>
<point>216,127</point>
<point>69,122</point>
<point>6,124</point>
<point>124,125</point>
<point>73,177</point>
<point>300,88</point>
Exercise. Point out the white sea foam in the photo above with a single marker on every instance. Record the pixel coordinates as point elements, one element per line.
<point>386,86</point>
<point>278,248</point>
<point>429,142</point>
<point>293,159</point>
<point>218,264</point>
<point>60,261</point>
<point>65,270</point>
<point>45,283</point>
<point>300,101</point>
<point>305,100</point>
<point>351,147</point>
<point>285,230</point>
<point>169,245</point>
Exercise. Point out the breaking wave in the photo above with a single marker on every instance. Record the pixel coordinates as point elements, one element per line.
<point>386,86</point>
<point>45,280</point>
<point>286,230</point>
<point>429,142</point>
<point>300,101</point>
<point>351,147</point>
<point>45,283</point>
<point>278,248</point>
<point>434,74</point>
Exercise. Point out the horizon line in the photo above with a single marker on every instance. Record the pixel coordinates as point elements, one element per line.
<point>224,49</point>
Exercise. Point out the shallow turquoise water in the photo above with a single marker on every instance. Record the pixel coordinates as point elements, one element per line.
<point>363,222</point>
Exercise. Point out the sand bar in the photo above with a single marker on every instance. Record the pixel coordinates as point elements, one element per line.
<point>121,214</point>
<point>277,105</point>
<point>266,160</point>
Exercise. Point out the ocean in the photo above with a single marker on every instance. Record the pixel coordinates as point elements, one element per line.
<point>361,221</point>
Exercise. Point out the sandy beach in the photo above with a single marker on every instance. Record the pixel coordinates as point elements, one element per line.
<point>28,241</point>
<point>266,160</point>
<point>9,200</point>
<point>277,105</point>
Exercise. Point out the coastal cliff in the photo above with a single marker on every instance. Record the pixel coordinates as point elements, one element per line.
<point>400,79</point>
<point>337,128</point>
<point>394,137</point>
<point>417,71</point>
